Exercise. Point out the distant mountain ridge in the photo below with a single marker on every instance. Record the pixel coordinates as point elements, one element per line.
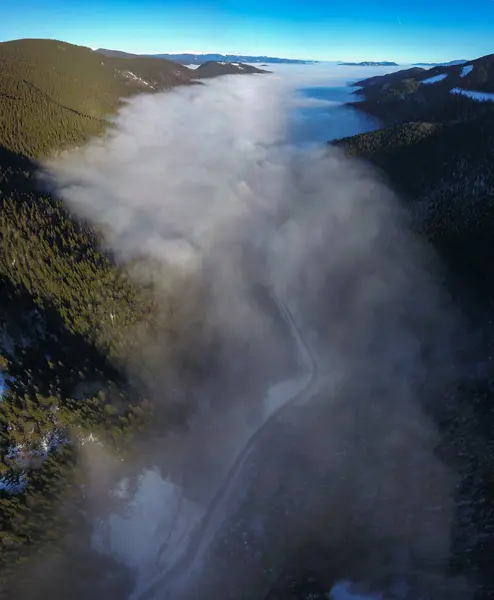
<point>369,63</point>
<point>116,53</point>
<point>215,68</point>
<point>451,63</point>
<point>199,59</point>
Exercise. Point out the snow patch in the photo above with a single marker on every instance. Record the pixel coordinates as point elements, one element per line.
<point>435,79</point>
<point>480,96</point>
<point>152,531</point>
<point>6,342</point>
<point>466,70</point>
<point>3,385</point>
<point>89,439</point>
<point>13,486</point>
<point>343,591</point>
<point>133,77</point>
<point>22,457</point>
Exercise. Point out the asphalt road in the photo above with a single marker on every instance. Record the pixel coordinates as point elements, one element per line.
<point>169,583</point>
<point>353,470</point>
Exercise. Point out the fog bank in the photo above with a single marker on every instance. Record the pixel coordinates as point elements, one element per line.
<point>200,184</point>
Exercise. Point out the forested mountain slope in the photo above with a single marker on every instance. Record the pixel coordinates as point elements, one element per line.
<point>437,153</point>
<point>54,94</point>
<point>438,94</point>
<point>70,321</point>
<point>446,174</point>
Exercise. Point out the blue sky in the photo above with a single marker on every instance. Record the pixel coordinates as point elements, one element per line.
<point>400,30</point>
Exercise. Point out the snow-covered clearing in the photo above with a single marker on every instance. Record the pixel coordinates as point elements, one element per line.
<point>435,79</point>
<point>343,591</point>
<point>133,77</point>
<point>480,96</point>
<point>466,70</point>
<point>157,521</point>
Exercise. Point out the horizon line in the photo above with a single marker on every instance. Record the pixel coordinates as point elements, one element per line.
<point>203,53</point>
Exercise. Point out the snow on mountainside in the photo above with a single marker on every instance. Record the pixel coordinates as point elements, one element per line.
<point>480,96</point>
<point>476,76</point>
<point>435,79</point>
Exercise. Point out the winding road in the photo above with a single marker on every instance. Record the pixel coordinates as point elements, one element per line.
<point>200,539</point>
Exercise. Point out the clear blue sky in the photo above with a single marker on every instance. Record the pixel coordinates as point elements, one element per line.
<point>400,30</point>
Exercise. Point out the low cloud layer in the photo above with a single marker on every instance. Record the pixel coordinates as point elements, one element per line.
<point>201,183</point>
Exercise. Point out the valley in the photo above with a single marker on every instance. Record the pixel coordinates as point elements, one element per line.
<point>109,358</point>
